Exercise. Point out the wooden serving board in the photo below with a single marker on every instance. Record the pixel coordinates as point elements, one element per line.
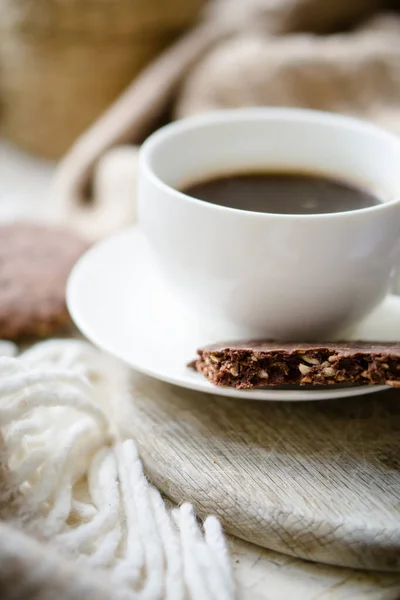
<point>320,480</point>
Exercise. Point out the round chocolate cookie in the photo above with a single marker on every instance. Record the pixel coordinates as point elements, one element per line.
<point>35,262</point>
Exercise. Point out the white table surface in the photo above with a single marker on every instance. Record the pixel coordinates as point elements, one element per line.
<point>263,574</point>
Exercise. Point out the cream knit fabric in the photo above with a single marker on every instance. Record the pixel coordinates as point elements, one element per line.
<point>68,479</point>
<point>355,72</point>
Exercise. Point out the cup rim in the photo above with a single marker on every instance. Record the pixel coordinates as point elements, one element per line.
<point>252,114</point>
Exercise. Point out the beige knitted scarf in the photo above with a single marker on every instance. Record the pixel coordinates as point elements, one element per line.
<point>79,519</point>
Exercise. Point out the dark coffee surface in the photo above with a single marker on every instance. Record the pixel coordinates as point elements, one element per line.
<point>282,193</point>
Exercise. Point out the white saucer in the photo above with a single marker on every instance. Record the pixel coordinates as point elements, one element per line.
<point>119,302</point>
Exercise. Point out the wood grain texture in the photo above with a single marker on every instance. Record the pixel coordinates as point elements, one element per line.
<point>266,575</point>
<point>319,481</point>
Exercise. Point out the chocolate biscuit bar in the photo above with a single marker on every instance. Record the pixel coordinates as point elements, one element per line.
<point>252,364</point>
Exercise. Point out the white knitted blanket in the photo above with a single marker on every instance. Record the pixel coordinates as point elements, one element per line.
<point>68,478</point>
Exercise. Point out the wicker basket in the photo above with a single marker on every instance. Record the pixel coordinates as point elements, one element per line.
<point>62,63</point>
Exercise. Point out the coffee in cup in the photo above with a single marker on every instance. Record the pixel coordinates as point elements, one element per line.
<point>276,273</point>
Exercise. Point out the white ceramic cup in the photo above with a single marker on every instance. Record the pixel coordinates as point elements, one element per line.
<point>283,276</point>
